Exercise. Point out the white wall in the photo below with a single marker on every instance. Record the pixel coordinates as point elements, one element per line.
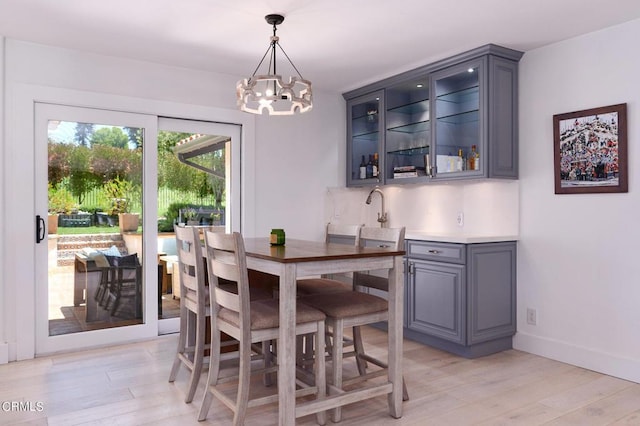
<point>578,254</point>
<point>296,161</point>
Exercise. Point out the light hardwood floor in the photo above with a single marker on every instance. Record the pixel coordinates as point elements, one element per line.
<point>127,385</point>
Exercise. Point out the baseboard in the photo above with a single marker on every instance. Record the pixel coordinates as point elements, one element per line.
<point>605,363</point>
<point>4,353</point>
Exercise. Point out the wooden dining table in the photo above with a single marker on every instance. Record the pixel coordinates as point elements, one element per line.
<point>301,258</point>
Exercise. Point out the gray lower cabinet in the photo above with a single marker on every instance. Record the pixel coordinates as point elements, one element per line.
<point>461,297</point>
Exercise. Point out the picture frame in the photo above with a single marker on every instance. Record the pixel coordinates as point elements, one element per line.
<point>590,150</point>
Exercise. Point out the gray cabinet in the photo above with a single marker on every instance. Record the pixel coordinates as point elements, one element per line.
<point>461,297</point>
<point>435,119</point>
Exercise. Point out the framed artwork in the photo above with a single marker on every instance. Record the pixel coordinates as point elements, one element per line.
<point>590,150</point>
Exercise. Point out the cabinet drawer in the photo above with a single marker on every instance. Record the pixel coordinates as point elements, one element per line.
<point>440,252</point>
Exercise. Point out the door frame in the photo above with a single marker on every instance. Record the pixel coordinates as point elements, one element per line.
<point>18,286</point>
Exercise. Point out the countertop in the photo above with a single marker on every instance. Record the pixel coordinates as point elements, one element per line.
<point>457,238</point>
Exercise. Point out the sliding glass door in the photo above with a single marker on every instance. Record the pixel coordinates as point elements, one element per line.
<point>109,188</point>
<point>94,180</point>
<point>198,185</point>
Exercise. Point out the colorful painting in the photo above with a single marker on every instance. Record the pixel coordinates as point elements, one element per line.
<point>590,150</point>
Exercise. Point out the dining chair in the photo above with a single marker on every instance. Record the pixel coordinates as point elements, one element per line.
<point>376,284</point>
<point>338,234</point>
<point>354,309</point>
<point>249,322</point>
<point>194,307</point>
<point>125,283</point>
<point>120,279</point>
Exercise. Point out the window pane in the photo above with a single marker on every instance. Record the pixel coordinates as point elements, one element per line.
<point>95,193</point>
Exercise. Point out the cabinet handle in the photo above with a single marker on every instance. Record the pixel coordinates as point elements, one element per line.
<point>434,251</point>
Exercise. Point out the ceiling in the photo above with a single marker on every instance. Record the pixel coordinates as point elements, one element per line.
<point>337,44</point>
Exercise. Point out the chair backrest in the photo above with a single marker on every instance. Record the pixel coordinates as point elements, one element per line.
<point>378,237</point>
<point>226,260</point>
<point>371,236</point>
<point>343,234</point>
<point>190,264</point>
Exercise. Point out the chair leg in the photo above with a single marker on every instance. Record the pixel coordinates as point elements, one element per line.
<point>198,357</point>
<point>242,400</point>
<point>320,372</point>
<point>267,354</point>
<point>405,392</point>
<point>362,364</point>
<point>118,291</point>
<point>104,280</point>
<point>358,347</point>
<point>336,356</point>
<point>182,341</point>
<point>214,371</point>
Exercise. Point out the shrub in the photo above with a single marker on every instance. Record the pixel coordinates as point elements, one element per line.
<point>61,200</point>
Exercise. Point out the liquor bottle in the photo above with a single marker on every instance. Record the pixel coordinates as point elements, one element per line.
<point>476,158</point>
<point>363,169</point>
<point>369,167</point>
<point>462,164</point>
<point>472,159</point>
<point>376,169</point>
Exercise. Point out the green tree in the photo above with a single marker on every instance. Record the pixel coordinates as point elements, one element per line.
<point>169,168</point>
<point>58,161</point>
<point>83,133</point>
<point>178,176</point>
<point>81,177</point>
<point>135,135</point>
<point>109,163</point>
<point>110,136</point>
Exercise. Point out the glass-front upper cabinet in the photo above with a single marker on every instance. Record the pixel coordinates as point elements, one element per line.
<point>408,130</point>
<point>365,126</point>
<point>458,126</point>
<point>450,120</point>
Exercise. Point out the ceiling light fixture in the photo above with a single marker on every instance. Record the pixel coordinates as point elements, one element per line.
<point>268,92</point>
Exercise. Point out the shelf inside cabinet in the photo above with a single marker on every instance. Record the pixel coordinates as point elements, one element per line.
<point>412,108</point>
<point>370,116</point>
<point>460,96</point>
<point>460,118</point>
<point>366,136</point>
<point>420,126</point>
<point>419,150</point>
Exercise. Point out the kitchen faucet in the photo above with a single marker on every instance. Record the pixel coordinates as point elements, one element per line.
<point>382,215</point>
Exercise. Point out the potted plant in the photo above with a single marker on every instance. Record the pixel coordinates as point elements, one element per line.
<point>216,218</point>
<point>190,215</point>
<point>60,202</point>
<point>119,192</point>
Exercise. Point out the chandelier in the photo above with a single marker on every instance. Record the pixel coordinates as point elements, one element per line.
<point>269,92</point>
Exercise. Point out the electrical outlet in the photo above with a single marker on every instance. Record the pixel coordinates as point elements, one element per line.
<point>532,316</point>
<point>460,219</point>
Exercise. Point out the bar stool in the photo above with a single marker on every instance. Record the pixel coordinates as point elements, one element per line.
<point>337,234</point>
<point>354,309</point>
<point>249,322</point>
<point>194,307</point>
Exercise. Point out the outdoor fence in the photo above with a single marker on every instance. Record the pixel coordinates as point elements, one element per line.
<point>166,197</point>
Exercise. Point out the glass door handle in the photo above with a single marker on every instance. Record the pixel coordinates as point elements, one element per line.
<point>40,229</point>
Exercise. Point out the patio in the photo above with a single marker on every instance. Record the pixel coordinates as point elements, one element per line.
<point>66,318</point>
